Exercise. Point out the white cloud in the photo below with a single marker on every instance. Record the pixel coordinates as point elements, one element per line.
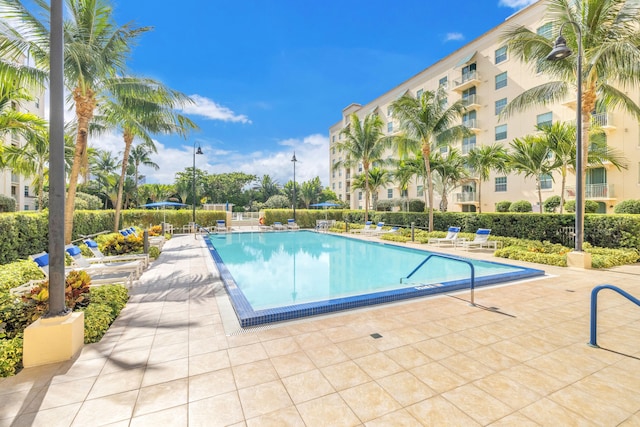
<point>208,108</point>
<point>453,36</point>
<point>516,4</point>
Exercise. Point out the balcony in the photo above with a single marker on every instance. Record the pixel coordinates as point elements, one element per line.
<point>471,102</point>
<point>15,179</point>
<point>593,192</point>
<point>472,124</point>
<point>467,80</point>
<point>603,120</point>
<point>467,198</point>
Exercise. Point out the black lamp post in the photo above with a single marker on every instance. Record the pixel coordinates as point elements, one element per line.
<point>198,151</point>
<point>561,51</point>
<point>294,160</point>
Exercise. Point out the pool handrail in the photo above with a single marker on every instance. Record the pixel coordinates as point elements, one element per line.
<point>469,263</point>
<point>594,308</point>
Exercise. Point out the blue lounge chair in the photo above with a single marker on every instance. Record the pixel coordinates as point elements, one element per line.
<point>451,237</point>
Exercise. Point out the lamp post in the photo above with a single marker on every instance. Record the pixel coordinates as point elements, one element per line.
<point>193,183</point>
<point>294,160</point>
<point>561,51</point>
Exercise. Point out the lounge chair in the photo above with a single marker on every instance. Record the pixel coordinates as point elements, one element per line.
<point>479,241</point>
<point>221,226</point>
<point>277,225</point>
<point>374,231</point>
<point>95,265</point>
<point>291,224</point>
<point>367,227</point>
<point>451,237</point>
<point>390,231</point>
<point>93,247</point>
<point>97,278</point>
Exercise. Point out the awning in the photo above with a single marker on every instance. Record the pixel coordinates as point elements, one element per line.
<point>401,94</point>
<point>465,59</point>
<point>373,110</point>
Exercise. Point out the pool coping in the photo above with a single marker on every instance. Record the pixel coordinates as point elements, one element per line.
<point>248,317</point>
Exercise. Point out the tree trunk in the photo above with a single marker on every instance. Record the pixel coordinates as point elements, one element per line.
<point>479,190</point>
<point>365,166</point>
<point>426,152</point>
<point>128,139</point>
<point>563,174</point>
<point>85,104</point>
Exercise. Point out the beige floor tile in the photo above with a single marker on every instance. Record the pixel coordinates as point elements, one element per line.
<point>345,375</point>
<point>326,355</point>
<point>357,348</point>
<point>632,421</point>
<point>211,384</point>
<point>537,381</point>
<point>438,377</point>
<point>369,401</point>
<point>467,367</point>
<point>165,353</point>
<point>122,362</point>
<point>197,347</point>
<point>221,410</point>
<point>161,396</point>
<point>493,359</point>
<point>516,351</point>
<point>598,387</point>
<point>408,357</point>
<point>264,398</point>
<point>175,417</point>
<point>329,410</point>
<point>79,369</point>
<point>164,372</point>
<point>515,419</point>
<point>56,395</point>
<point>406,388</point>
<point>247,354</point>
<point>340,334</point>
<point>208,362</point>
<point>251,374</point>
<point>281,346</point>
<point>435,349</point>
<point>601,410</point>
<point>108,409</point>
<point>307,386</point>
<point>507,390</point>
<point>61,416</point>
<point>312,340</point>
<point>546,412</point>
<point>117,382</point>
<point>378,365</point>
<point>478,404</point>
<point>283,417</point>
<point>438,411</point>
<point>292,364</point>
<point>400,418</point>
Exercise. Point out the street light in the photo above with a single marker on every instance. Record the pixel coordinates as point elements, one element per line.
<point>193,183</point>
<point>294,160</point>
<point>561,51</point>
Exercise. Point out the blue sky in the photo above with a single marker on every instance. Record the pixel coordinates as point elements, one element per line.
<point>270,77</point>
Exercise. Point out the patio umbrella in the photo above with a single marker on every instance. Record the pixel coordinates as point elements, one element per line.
<point>162,205</point>
<point>324,205</point>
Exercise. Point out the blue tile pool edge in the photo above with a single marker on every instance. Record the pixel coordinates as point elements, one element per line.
<point>247,316</point>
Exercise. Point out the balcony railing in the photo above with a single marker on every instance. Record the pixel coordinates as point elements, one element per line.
<point>604,120</point>
<point>593,191</point>
<point>471,123</point>
<point>470,101</point>
<point>466,80</point>
<point>467,197</point>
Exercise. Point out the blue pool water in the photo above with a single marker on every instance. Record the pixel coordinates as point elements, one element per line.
<point>284,275</point>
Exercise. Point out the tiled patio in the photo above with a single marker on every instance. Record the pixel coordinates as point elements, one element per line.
<point>174,357</point>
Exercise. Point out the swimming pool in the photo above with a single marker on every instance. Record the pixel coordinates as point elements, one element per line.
<point>279,276</point>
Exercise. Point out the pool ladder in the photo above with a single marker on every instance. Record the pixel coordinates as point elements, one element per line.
<point>594,308</point>
<point>473,272</point>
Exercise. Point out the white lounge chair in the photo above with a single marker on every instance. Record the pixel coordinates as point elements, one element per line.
<point>291,224</point>
<point>451,237</point>
<point>479,241</point>
<point>374,231</point>
<point>277,225</point>
<point>390,231</point>
<point>367,227</point>
<point>93,247</point>
<point>221,226</point>
<point>95,265</point>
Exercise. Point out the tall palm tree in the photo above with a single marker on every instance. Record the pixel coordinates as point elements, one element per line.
<point>268,187</point>
<point>427,122</point>
<point>483,160</point>
<point>95,50</point>
<point>310,191</point>
<point>531,157</point>
<point>140,156</point>
<point>378,178</point>
<point>103,166</point>
<point>363,143</point>
<point>449,172</point>
<point>15,82</point>
<point>610,32</point>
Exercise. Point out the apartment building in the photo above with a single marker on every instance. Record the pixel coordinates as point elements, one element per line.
<point>483,75</point>
<point>13,184</point>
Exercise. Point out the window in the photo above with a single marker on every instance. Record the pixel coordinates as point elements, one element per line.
<point>339,172</point>
<point>333,174</point>
<point>340,185</point>
<point>419,93</point>
<point>37,100</point>
<point>501,80</point>
<point>501,184</point>
<point>26,190</point>
<point>501,132</point>
<point>333,150</point>
<point>359,167</point>
<point>359,195</point>
<point>500,104</point>
<point>26,207</point>
<point>444,149</point>
<point>468,144</point>
<point>546,182</point>
<point>546,30</point>
<point>420,191</point>
<point>390,193</point>
<point>469,119</point>
<point>333,138</point>
<point>390,127</point>
<point>333,186</point>
<point>501,54</point>
<point>444,102</point>
<point>389,112</point>
<point>443,83</point>
<point>545,119</point>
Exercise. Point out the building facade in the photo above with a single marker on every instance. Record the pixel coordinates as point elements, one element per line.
<point>485,78</point>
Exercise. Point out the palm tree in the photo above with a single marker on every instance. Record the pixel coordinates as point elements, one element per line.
<point>483,160</point>
<point>530,156</point>
<point>378,178</point>
<point>95,50</point>
<point>103,167</point>
<point>268,187</point>
<point>427,122</point>
<point>139,156</point>
<point>610,30</point>
<point>12,91</point>
<point>363,143</point>
<point>310,191</point>
<point>449,172</point>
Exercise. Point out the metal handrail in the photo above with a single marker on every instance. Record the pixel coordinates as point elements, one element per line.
<point>594,308</point>
<point>473,271</point>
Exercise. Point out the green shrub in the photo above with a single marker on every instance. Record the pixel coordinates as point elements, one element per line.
<point>385,205</point>
<point>7,204</point>
<point>154,252</point>
<point>393,237</point>
<point>503,206</point>
<point>522,253</point>
<point>117,244</point>
<point>551,204</point>
<point>628,207</point>
<point>589,206</point>
<point>16,273</point>
<point>520,206</point>
<point>416,205</point>
<point>97,318</point>
<point>113,296</point>
<point>10,356</point>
